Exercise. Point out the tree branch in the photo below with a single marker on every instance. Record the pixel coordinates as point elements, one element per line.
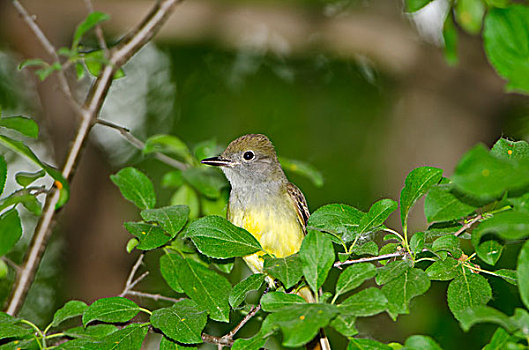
<point>141,145</point>
<point>154,297</point>
<point>50,49</point>
<point>372,258</point>
<point>89,112</point>
<point>468,225</point>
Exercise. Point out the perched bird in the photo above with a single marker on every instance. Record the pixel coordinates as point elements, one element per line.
<point>263,201</point>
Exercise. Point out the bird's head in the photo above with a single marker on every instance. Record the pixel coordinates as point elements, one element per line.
<point>249,160</point>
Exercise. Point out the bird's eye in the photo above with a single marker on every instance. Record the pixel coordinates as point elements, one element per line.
<point>248,155</point>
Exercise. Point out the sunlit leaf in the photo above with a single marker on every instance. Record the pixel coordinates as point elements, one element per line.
<point>26,126</point>
<point>182,322</point>
<point>113,309</point>
<point>10,230</point>
<point>136,187</point>
<point>317,255</point>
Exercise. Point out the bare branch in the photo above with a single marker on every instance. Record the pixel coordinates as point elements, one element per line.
<point>371,258</point>
<point>132,273</point>
<point>245,320</point>
<point>50,49</point>
<point>141,145</point>
<point>154,297</point>
<point>89,112</point>
<point>220,341</point>
<point>99,32</point>
<point>468,225</point>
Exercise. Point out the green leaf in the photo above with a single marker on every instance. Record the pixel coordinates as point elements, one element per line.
<point>508,275</point>
<point>486,177</point>
<point>450,40</point>
<point>3,173</point>
<point>32,62</point>
<point>4,269</point>
<point>368,248</point>
<point>417,183</point>
<point>421,342</point>
<point>506,149</point>
<point>23,150</point>
<point>499,340</point>
<point>402,289</point>
<point>366,344</point>
<point>90,22</point>
<point>338,219</point>
<point>29,201</point>
<point>467,290</point>
<point>508,225</point>
<point>522,272</point>
<point>25,126</point>
<point>288,270</point>
<point>131,244</point>
<point>521,321</point>
<point>304,169</point>
<point>25,179</point>
<point>276,301</point>
<point>506,39</point>
<point>353,276</point>
<point>416,5</point>
<point>168,344</point>
<point>469,14</point>
<point>169,271</point>
<point>238,293</point>
<point>216,237</point>
<point>378,213</point>
<point>207,288</point>
<point>10,230</point>
<point>92,332</point>
<point>368,302</point>
<point>300,323</point>
<point>317,255</point>
<point>481,313</point>
<point>187,196</point>
<point>150,236</point>
<point>168,144</point>
<point>391,271</point>
<point>136,187</point>
<point>71,309</point>
<point>173,179</point>
<point>449,243</point>
<point>113,309</point>
<point>172,219</point>
<point>417,242</point>
<point>443,270</point>
<point>129,338</point>
<point>489,251</point>
<point>345,324</point>
<point>206,181</point>
<point>207,149</point>
<point>255,343</point>
<point>183,322</point>
<point>441,204</point>
<point>47,70</point>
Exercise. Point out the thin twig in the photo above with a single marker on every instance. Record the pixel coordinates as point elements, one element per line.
<point>245,320</point>
<point>372,258</point>
<point>89,112</point>
<point>132,273</point>
<point>11,263</point>
<point>468,225</point>
<point>207,338</point>
<point>141,145</point>
<point>154,297</point>
<point>50,49</point>
<point>99,32</point>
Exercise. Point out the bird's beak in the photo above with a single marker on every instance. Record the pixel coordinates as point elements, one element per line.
<point>217,161</point>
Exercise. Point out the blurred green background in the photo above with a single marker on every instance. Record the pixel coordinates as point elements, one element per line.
<point>357,89</point>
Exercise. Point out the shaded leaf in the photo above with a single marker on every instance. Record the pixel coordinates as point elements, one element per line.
<point>168,344</point>
<point>10,230</point>
<point>498,341</point>
<point>136,187</point>
<point>508,225</point>
<point>150,236</point>
<point>129,338</point>
<point>366,344</point>
<point>113,309</point>
<point>508,275</point>
<point>25,179</point>
<point>368,302</point>
<point>368,248</point>
<point>26,126</point>
<point>402,289</point>
<point>183,321</point>
<point>172,219</point>
<point>417,242</point>
<point>216,237</point>
<point>3,173</point>
<point>288,270</point>
<point>187,196</point>
<point>238,293</point>
<point>317,255</point>
<point>206,181</point>
<point>443,270</point>
<point>353,276</point>
<point>72,308</point>
<point>506,149</point>
<point>522,272</point>
<point>345,324</point>
<point>169,271</point>
<point>417,183</point>
<point>481,313</point>
<point>467,290</point>
<point>92,332</point>
<point>275,301</point>
<point>391,271</point>
<point>421,342</point>
<point>442,205</point>
<point>338,219</point>
<point>304,169</point>
<point>378,213</point>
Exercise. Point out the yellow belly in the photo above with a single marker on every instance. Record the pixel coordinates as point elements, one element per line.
<point>280,235</point>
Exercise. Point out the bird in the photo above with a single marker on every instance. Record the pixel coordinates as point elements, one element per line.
<point>264,202</point>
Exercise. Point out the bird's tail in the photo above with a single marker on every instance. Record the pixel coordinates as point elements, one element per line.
<point>320,342</point>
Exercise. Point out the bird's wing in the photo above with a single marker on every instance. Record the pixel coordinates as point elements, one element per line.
<point>300,203</point>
